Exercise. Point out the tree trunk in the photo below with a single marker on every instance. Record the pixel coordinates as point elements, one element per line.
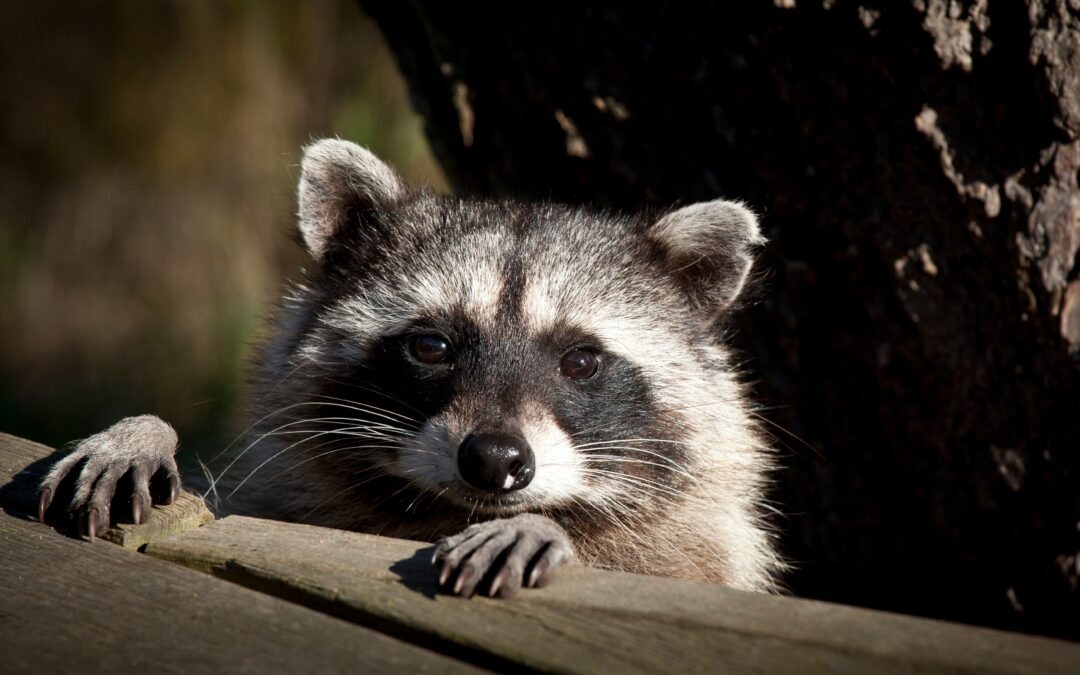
<point>916,164</point>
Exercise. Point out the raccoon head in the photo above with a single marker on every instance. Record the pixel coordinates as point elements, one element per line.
<point>500,356</point>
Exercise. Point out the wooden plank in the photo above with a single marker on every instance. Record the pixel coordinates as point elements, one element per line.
<point>74,606</point>
<point>68,605</point>
<point>591,621</point>
<point>22,465</point>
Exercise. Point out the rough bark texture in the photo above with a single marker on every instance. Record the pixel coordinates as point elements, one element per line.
<point>916,165</point>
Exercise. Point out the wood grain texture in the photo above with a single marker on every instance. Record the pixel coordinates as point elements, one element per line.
<point>73,606</point>
<point>591,621</point>
<point>22,465</point>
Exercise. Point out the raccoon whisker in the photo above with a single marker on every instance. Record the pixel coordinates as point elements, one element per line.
<point>669,463</point>
<point>287,376</point>
<point>696,406</point>
<point>334,496</point>
<point>358,425</point>
<point>619,516</point>
<point>377,471</point>
<point>360,433</point>
<point>582,465</point>
<point>273,457</point>
<point>408,484</point>
<point>213,484</point>
<point>368,407</point>
<point>365,409</point>
<point>422,451</point>
<point>594,429</point>
<point>653,487</point>
<point>630,440</point>
<point>378,429</point>
<point>668,497</point>
<point>353,472</point>
<point>331,452</point>
<point>616,459</point>
<point>619,459</point>
<point>632,515</point>
<point>682,554</point>
<point>433,497</point>
<point>649,490</point>
<point>366,439</point>
<point>592,450</point>
<point>273,431</point>
<point>350,425</point>
<point>420,497</point>
<point>788,432</point>
<point>348,405</point>
<point>363,431</point>
<point>472,511</point>
<point>253,425</point>
<point>376,390</point>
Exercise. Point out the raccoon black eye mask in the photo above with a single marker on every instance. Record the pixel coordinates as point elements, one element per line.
<point>524,384</point>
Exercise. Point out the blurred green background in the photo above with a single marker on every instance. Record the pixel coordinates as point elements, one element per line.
<point>148,163</point>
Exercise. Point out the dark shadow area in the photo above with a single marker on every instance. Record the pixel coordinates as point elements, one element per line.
<point>417,573</point>
<point>20,496</point>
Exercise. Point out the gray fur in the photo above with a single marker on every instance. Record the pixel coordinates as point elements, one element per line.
<point>533,546</point>
<point>710,244</point>
<point>144,445</point>
<point>653,466</point>
<point>338,177</point>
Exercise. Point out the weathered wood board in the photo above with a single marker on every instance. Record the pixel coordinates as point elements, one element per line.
<point>71,605</point>
<point>22,465</point>
<point>590,621</point>
<point>68,605</point>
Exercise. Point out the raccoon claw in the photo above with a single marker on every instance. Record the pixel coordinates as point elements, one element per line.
<point>43,504</point>
<point>92,524</point>
<point>140,446</point>
<point>504,554</point>
<point>137,510</point>
<point>169,493</point>
<point>538,578</point>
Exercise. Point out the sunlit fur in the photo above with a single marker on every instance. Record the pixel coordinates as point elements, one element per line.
<point>657,469</point>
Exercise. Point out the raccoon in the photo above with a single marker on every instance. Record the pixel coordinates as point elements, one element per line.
<point>526,384</point>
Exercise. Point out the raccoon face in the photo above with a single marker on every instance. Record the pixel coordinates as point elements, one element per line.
<point>500,356</point>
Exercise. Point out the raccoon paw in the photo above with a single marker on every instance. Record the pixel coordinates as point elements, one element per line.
<point>503,555</point>
<point>143,446</point>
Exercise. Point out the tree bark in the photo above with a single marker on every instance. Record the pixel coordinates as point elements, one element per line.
<point>917,344</point>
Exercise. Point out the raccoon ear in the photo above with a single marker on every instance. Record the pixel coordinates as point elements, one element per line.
<point>708,247</point>
<point>341,182</point>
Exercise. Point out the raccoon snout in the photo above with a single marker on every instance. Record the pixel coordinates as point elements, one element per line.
<point>496,462</point>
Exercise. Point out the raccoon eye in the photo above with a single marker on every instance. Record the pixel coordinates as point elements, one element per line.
<point>579,364</point>
<point>430,349</point>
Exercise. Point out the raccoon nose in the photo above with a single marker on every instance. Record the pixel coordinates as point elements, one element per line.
<point>496,462</point>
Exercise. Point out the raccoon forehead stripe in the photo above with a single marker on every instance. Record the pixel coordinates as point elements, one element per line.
<point>539,304</point>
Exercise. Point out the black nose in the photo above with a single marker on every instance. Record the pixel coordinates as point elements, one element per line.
<point>496,462</point>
